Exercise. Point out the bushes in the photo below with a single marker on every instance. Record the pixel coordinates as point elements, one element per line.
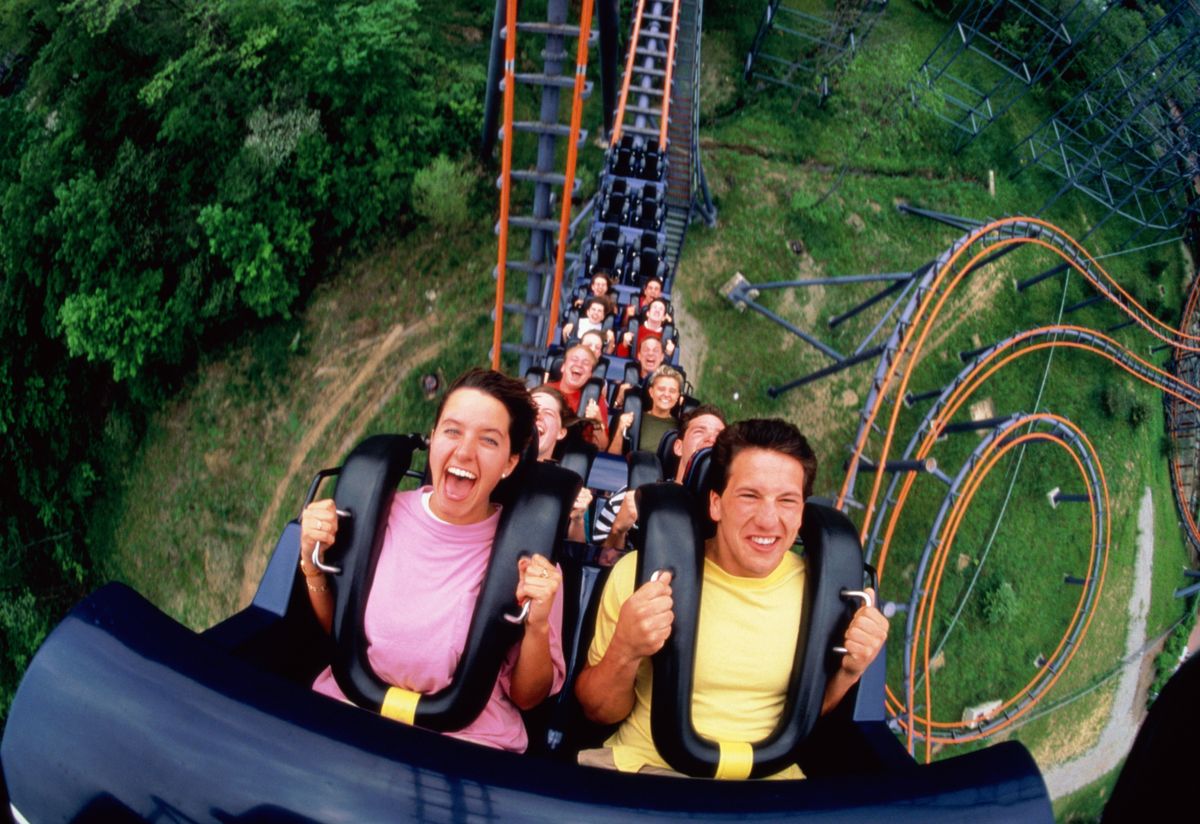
<point>166,176</point>
<point>998,603</point>
<point>1167,661</point>
<point>441,192</point>
<point>1120,404</point>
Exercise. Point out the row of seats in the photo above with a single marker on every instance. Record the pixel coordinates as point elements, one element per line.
<point>631,261</point>
<point>620,204</point>
<point>633,158</point>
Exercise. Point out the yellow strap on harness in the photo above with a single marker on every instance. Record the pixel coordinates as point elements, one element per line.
<point>400,705</point>
<point>737,759</point>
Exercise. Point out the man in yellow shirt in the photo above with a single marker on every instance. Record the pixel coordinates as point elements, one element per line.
<point>750,610</point>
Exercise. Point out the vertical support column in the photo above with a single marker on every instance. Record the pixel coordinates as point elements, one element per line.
<point>492,97</point>
<point>541,242</point>
<point>609,14</point>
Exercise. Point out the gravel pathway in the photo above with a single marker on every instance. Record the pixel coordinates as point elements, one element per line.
<point>1117,737</point>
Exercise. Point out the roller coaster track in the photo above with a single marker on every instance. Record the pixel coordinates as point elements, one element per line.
<point>1183,425</point>
<point>548,237</point>
<point>652,185</point>
<point>882,513</point>
<point>903,348</point>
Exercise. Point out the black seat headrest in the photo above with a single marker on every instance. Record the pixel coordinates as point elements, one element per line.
<point>668,539</point>
<point>577,456</point>
<point>697,478</point>
<point>534,519</point>
<point>633,404</point>
<point>666,454</point>
<point>592,391</point>
<point>643,469</point>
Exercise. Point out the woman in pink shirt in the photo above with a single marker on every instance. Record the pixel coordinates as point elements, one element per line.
<point>436,546</point>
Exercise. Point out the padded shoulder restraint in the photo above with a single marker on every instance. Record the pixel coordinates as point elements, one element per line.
<point>591,392</point>
<point>669,539</point>
<point>643,469</point>
<point>577,456</point>
<point>633,404</point>
<point>667,458</point>
<point>533,521</point>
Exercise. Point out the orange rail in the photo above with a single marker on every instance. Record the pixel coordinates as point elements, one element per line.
<point>961,395</point>
<point>972,383</point>
<point>921,327</point>
<point>633,40</point>
<point>666,98</point>
<point>564,221</point>
<point>510,65</point>
<point>911,345</point>
<point>996,450</point>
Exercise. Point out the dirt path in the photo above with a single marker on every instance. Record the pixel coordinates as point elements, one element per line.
<point>348,389</point>
<point>1128,705</point>
<point>693,342</point>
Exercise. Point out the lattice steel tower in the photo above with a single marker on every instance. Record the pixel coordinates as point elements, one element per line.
<point>1022,40</point>
<point>803,51</point>
<point>1131,139</point>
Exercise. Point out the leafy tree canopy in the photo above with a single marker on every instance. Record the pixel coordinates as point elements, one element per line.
<point>169,170</point>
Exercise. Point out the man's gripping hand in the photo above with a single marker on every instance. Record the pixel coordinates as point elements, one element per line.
<point>864,638</point>
<point>644,623</point>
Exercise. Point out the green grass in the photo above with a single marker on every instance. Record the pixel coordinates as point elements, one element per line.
<point>182,525</point>
<point>1086,805</point>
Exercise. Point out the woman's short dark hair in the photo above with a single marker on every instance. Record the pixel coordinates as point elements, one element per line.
<point>771,434</point>
<point>509,391</point>
<point>564,411</point>
<point>587,304</point>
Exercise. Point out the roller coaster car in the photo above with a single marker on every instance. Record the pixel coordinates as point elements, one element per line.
<point>572,317</point>
<point>607,253</point>
<point>614,202</point>
<point>647,212</point>
<point>646,262</point>
<point>625,160</point>
<point>124,714</point>
<point>653,163</point>
<point>668,335</point>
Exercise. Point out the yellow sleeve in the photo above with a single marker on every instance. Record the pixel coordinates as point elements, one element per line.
<point>617,589</point>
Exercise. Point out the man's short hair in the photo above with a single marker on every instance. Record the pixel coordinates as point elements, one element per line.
<point>771,434</point>
<point>642,343</point>
<point>669,372</point>
<point>699,412</point>
<point>592,355</point>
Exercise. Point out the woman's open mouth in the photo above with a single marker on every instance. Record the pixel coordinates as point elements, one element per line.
<point>459,483</point>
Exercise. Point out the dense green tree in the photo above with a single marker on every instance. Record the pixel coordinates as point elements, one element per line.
<point>169,170</point>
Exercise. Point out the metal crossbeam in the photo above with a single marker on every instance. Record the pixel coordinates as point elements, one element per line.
<point>803,51</point>
<point>1130,140</point>
<point>980,45</point>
